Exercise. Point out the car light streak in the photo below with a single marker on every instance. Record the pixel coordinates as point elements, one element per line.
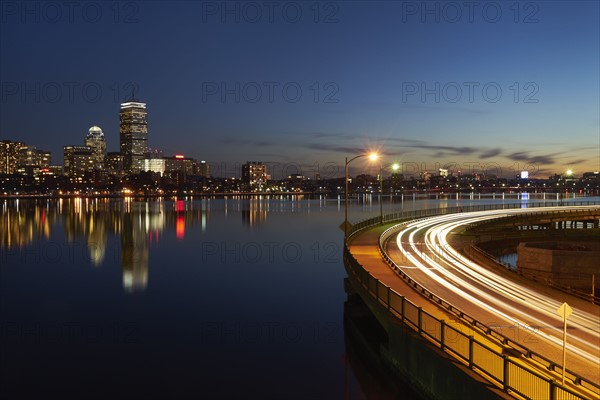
<point>488,290</point>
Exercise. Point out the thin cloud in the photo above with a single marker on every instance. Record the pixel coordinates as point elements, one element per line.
<point>491,153</point>
<point>354,136</point>
<point>448,149</point>
<point>526,157</point>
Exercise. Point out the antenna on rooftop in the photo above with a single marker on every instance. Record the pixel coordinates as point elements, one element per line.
<point>132,91</point>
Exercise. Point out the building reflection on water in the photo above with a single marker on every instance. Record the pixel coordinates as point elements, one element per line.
<point>139,225</point>
<point>255,213</point>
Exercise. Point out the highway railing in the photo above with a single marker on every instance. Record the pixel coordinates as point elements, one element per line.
<point>431,212</point>
<point>511,375</point>
<point>496,366</point>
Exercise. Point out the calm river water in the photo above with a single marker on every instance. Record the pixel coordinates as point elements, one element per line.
<point>180,298</point>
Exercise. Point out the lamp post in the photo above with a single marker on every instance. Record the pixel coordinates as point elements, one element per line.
<point>394,167</point>
<point>372,157</point>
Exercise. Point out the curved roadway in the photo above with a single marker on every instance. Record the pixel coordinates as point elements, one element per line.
<point>528,316</point>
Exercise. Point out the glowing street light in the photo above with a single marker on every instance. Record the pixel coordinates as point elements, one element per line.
<point>372,157</point>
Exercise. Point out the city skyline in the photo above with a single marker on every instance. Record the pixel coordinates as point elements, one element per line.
<point>518,85</point>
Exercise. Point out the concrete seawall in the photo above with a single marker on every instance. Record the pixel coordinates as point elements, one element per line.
<point>567,260</point>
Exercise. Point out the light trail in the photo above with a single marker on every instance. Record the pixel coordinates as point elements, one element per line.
<point>518,304</point>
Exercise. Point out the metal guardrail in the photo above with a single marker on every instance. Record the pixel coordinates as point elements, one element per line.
<point>511,376</point>
<point>416,214</point>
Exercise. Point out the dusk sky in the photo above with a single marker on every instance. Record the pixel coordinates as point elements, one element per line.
<point>498,85</point>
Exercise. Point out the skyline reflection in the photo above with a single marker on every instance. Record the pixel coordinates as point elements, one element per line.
<point>53,228</point>
<point>138,224</point>
<point>60,229</point>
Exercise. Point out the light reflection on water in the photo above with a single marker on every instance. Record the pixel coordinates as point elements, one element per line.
<point>510,260</point>
<point>186,292</point>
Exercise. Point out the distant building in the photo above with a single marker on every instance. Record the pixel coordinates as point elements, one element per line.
<point>9,156</point>
<point>31,161</point>
<point>153,164</point>
<point>203,169</point>
<point>78,160</point>
<point>133,135</point>
<point>255,175</point>
<point>55,170</point>
<point>113,163</point>
<point>96,141</point>
<point>180,163</point>
<point>296,178</point>
<point>177,163</point>
<point>30,156</point>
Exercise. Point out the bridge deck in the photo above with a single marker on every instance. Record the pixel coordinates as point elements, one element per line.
<point>364,248</point>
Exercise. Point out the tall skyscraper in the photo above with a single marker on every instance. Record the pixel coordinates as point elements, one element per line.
<point>9,156</point>
<point>96,141</point>
<point>134,135</point>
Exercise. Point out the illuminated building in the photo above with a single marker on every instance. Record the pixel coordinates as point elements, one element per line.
<point>203,169</point>
<point>134,135</point>
<point>96,141</point>
<point>113,163</point>
<point>180,163</point>
<point>78,160</point>
<point>296,178</point>
<point>55,170</point>
<point>31,160</point>
<point>255,174</point>
<point>154,164</point>
<point>9,156</point>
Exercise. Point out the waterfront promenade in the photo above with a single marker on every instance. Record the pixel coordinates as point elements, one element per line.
<point>516,351</point>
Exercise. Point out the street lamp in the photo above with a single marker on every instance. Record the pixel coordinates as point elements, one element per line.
<point>372,157</point>
<point>395,167</point>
